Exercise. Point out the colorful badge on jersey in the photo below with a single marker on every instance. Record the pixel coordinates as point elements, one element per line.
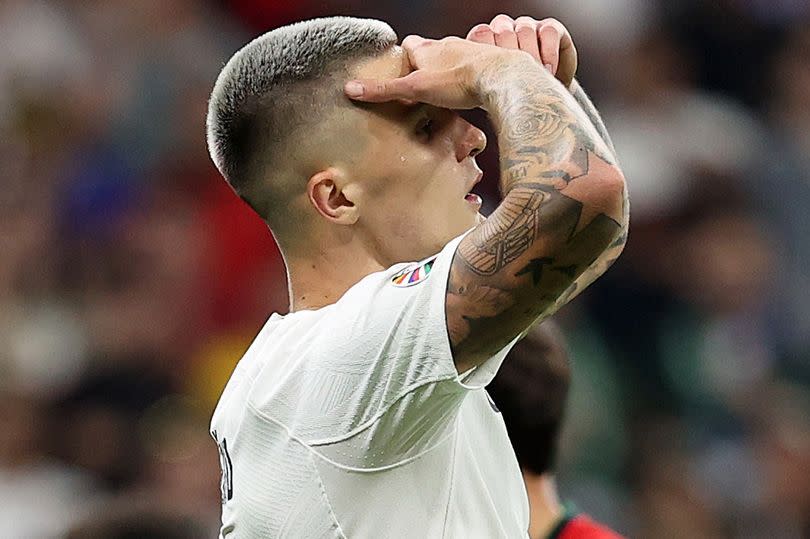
<point>414,275</point>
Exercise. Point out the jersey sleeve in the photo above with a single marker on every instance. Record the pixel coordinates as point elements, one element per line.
<point>381,384</point>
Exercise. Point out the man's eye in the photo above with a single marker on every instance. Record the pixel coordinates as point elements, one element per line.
<point>425,127</point>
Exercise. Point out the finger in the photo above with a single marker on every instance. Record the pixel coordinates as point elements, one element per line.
<point>549,36</point>
<point>414,45</point>
<point>378,91</point>
<point>504,28</point>
<point>526,30</point>
<point>566,43</point>
<point>417,86</point>
<point>412,41</point>
<point>481,33</point>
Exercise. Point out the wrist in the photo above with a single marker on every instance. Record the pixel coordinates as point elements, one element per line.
<point>502,74</point>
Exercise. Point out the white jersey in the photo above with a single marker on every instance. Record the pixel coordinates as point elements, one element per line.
<point>351,421</point>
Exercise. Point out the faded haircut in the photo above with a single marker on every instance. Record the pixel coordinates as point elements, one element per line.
<point>274,86</point>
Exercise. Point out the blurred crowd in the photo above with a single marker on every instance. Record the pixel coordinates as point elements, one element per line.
<point>131,279</point>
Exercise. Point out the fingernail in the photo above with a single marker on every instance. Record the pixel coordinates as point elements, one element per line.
<point>550,70</point>
<point>353,89</point>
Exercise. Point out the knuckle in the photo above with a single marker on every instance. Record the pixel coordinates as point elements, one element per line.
<point>481,29</point>
<point>548,28</point>
<point>502,17</point>
<point>549,31</point>
<point>503,31</point>
<point>559,27</point>
<point>412,41</point>
<point>501,22</point>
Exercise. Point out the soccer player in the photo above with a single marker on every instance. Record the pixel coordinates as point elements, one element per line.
<point>530,391</point>
<point>362,412</point>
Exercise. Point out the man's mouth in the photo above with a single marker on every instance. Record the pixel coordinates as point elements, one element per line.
<point>474,199</point>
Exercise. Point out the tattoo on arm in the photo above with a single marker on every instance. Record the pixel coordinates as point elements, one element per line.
<point>611,254</point>
<point>593,115</point>
<point>548,230</point>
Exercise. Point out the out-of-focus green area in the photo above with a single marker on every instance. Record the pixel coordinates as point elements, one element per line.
<point>131,279</point>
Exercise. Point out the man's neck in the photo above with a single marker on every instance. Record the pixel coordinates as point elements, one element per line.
<point>320,280</point>
<point>545,508</point>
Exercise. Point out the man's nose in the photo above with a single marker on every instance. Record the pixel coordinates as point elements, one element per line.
<point>472,140</point>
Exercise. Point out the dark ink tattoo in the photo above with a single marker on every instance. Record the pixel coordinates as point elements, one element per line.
<point>593,115</point>
<point>546,241</point>
<point>535,267</point>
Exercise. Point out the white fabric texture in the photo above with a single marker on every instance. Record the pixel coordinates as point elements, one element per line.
<point>351,421</point>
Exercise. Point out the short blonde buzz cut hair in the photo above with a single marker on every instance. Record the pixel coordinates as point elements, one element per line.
<point>269,89</point>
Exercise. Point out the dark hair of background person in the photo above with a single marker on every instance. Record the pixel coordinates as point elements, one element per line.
<point>530,391</point>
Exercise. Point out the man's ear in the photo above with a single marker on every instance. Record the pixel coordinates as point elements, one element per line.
<point>327,194</point>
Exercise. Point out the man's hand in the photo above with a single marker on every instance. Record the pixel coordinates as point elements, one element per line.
<point>446,73</point>
<point>547,41</point>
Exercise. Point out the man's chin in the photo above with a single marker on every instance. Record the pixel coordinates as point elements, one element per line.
<point>475,220</point>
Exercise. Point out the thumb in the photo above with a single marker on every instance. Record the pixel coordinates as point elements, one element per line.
<point>408,88</point>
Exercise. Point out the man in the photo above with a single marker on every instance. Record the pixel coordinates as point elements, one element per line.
<point>362,412</point>
<point>530,391</point>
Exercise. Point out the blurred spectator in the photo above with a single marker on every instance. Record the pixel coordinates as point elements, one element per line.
<point>40,496</point>
<point>782,184</point>
<point>664,127</point>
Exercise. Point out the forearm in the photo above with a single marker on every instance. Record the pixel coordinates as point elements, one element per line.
<point>562,191</point>
<point>588,107</point>
<point>561,210</point>
<point>611,254</point>
<point>544,135</point>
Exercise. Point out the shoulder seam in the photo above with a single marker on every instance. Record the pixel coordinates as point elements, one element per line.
<point>313,451</point>
<point>379,413</point>
<point>367,423</point>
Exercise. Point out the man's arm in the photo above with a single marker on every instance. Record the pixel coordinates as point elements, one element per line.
<point>612,253</point>
<point>562,190</point>
<point>549,43</point>
<point>562,208</point>
<point>593,115</point>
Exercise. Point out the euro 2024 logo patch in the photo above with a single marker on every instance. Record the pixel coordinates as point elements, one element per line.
<point>414,275</point>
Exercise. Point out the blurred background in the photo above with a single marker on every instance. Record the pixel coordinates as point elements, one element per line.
<point>131,279</point>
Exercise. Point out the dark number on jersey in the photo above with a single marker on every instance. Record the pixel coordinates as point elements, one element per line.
<point>226,483</point>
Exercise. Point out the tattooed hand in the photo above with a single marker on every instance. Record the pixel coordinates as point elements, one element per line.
<point>547,41</point>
